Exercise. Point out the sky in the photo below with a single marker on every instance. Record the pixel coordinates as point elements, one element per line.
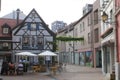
<point>49,10</point>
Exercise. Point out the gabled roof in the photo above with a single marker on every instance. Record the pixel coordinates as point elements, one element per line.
<point>10,22</point>
<point>45,25</point>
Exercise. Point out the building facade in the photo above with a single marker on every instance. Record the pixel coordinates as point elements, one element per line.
<point>86,52</point>
<point>96,32</point>
<point>108,38</point>
<point>84,48</point>
<point>31,34</point>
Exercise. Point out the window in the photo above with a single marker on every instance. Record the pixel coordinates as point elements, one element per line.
<point>96,17</point>
<point>33,26</point>
<point>96,33</point>
<point>5,44</point>
<point>111,13</point>
<point>25,40</point>
<point>88,20</point>
<point>40,40</point>
<point>80,27</point>
<point>5,30</point>
<point>89,38</point>
<point>33,41</point>
<point>83,26</point>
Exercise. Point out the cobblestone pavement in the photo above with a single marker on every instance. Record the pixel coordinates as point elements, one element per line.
<point>72,72</point>
<point>75,72</point>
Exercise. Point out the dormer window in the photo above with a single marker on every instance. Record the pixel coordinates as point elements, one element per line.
<point>5,30</point>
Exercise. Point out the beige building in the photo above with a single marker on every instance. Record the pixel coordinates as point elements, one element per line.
<point>86,52</point>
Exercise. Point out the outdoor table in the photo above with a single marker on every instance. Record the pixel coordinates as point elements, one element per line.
<point>36,68</point>
<point>53,69</point>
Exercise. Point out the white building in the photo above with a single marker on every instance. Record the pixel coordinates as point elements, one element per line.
<point>108,38</point>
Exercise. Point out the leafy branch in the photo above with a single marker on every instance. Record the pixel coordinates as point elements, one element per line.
<point>69,39</point>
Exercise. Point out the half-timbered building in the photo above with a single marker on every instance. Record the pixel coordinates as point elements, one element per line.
<point>32,35</point>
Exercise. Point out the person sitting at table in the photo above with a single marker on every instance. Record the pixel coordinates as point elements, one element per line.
<point>20,68</point>
<point>11,68</point>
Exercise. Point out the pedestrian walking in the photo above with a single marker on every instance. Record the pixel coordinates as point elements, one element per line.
<point>64,66</point>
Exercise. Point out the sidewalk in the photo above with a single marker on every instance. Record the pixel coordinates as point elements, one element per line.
<point>72,72</point>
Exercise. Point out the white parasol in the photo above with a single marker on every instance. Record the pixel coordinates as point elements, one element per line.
<point>25,54</point>
<point>47,53</point>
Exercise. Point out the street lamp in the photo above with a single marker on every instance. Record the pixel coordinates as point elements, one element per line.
<point>104,17</point>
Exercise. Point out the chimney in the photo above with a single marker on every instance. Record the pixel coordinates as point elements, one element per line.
<point>18,12</point>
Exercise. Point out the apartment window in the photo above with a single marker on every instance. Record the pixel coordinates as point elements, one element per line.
<point>83,26</point>
<point>89,38</point>
<point>91,19</point>
<point>88,21</point>
<point>80,27</point>
<point>96,17</point>
<point>96,34</point>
